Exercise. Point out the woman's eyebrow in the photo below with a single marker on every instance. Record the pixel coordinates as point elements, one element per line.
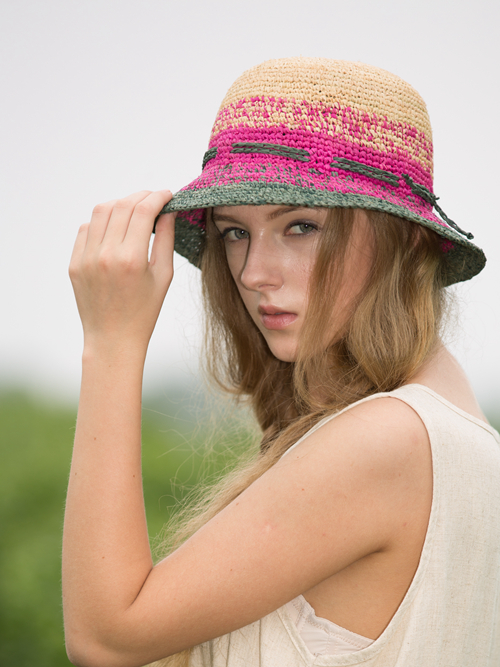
<point>218,217</point>
<point>284,209</point>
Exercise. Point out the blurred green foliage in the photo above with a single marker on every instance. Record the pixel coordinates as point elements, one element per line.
<point>36,441</point>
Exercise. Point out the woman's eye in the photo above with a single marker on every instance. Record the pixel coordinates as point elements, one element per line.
<point>234,234</point>
<point>302,228</point>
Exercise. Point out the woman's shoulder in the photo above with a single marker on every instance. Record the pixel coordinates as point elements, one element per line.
<point>387,416</point>
<point>381,438</point>
<point>385,426</point>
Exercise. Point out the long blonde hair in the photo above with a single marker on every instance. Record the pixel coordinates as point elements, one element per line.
<point>391,331</point>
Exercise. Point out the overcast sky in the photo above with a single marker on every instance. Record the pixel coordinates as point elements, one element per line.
<point>104,98</point>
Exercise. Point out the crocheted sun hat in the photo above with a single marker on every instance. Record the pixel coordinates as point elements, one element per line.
<point>321,133</point>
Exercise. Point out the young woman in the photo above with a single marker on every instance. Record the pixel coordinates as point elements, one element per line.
<point>366,531</point>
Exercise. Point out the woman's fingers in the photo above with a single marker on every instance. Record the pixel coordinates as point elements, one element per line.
<point>121,215</point>
<point>78,248</point>
<point>110,220</point>
<point>99,222</point>
<point>81,241</point>
<point>163,244</point>
<point>142,220</point>
<point>128,219</point>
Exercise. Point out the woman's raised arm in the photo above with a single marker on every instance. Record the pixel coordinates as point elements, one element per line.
<point>119,291</point>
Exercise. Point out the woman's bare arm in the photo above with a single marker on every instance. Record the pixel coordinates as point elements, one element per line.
<point>106,555</point>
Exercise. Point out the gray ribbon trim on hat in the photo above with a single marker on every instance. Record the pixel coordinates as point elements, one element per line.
<point>271,149</point>
<point>431,198</point>
<point>365,170</point>
<point>256,147</point>
<point>387,176</point>
<point>209,155</point>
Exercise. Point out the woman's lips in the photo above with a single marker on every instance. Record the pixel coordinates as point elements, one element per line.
<point>276,320</point>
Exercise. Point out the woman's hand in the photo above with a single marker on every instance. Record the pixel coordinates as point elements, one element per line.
<point>119,291</point>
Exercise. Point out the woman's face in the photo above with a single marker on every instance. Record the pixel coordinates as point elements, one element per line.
<point>271,252</point>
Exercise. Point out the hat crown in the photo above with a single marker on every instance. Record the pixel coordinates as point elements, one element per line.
<point>333,83</point>
<point>329,109</point>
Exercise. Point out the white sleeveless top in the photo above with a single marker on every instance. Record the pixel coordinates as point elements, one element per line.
<point>450,615</point>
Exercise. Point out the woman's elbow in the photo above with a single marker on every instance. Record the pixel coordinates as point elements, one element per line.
<point>85,652</point>
<point>89,651</point>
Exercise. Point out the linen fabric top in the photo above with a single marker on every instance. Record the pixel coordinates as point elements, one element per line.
<point>450,615</point>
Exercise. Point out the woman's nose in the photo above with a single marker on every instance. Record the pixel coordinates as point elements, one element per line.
<point>262,268</point>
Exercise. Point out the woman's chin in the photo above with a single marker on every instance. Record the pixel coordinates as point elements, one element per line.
<point>284,353</point>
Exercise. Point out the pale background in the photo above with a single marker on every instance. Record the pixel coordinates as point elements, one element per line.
<point>103,98</point>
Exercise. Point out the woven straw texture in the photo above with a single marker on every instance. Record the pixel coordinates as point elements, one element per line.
<point>319,132</point>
